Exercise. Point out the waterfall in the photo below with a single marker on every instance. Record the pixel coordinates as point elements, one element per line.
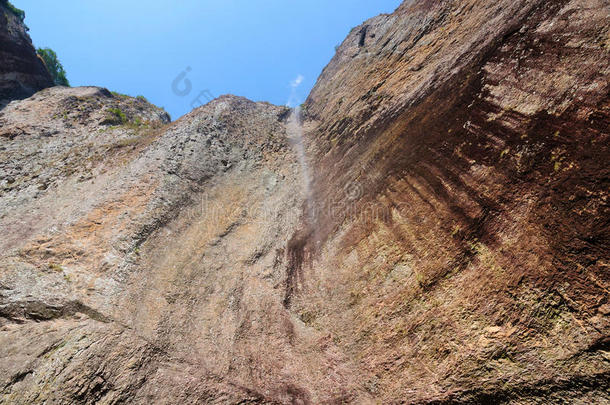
<point>295,135</point>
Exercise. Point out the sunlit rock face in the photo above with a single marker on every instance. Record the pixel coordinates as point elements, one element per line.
<point>22,73</point>
<point>438,231</point>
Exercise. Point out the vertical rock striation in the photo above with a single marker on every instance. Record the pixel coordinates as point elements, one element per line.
<point>476,136</point>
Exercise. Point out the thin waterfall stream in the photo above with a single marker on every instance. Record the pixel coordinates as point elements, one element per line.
<point>295,135</point>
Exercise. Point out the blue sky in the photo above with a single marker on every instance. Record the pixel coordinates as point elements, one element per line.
<point>249,48</point>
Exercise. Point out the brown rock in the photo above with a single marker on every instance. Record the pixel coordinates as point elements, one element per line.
<point>456,154</point>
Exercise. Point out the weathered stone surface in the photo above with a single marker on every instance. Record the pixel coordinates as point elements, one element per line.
<point>22,73</point>
<point>453,248</point>
<point>475,261</point>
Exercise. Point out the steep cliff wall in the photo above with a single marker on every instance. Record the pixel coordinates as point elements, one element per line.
<point>453,247</point>
<point>22,73</point>
<point>474,261</point>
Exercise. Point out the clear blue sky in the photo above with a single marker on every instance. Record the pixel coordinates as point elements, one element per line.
<point>251,48</point>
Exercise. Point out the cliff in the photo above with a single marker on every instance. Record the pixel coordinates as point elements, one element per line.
<point>432,227</point>
<point>22,73</point>
<point>474,264</point>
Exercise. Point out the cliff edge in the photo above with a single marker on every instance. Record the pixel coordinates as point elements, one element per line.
<point>22,73</point>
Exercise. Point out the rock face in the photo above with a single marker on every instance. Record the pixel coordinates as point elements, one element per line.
<point>439,235</point>
<point>474,263</point>
<point>22,73</point>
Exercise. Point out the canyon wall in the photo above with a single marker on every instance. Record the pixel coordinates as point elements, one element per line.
<point>445,239</point>
<point>22,73</point>
<point>473,263</point>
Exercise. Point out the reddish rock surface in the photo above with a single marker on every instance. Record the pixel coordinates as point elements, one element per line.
<point>453,246</point>
<point>475,262</point>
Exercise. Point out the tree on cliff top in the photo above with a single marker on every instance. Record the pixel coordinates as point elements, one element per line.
<point>54,66</point>
<point>19,13</point>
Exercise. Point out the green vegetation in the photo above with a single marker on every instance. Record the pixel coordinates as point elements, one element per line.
<point>121,95</point>
<point>54,66</point>
<point>117,116</point>
<point>56,267</point>
<point>421,279</point>
<point>19,13</point>
<point>117,94</point>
